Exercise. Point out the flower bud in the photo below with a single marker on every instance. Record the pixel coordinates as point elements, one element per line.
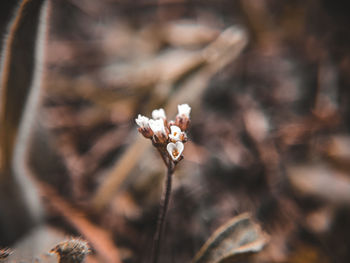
<point>144,128</point>
<point>183,116</point>
<point>159,131</point>
<point>158,114</point>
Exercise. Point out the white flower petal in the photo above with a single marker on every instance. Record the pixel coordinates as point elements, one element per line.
<point>142,121</point>
<point>157,126</point>
<point>175,129</point>
<point>170,147</point>
<point>158,114</point>
<point>180,146</point>
<point>184,109</point>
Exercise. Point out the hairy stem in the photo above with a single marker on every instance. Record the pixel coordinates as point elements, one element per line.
<point>162,215</point>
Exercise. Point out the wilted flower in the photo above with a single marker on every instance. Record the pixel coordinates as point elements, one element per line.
<point>175,150</point>
<point>158,114</point>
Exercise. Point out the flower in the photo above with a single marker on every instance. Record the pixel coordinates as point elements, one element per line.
<point>142,121</point>
<point>184,110</point>
<point>158,128</point>
<point>175,150</point>
<point>175,134</point>
<point>158,114</point>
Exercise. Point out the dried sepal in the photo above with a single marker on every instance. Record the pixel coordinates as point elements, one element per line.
<point>144,128</point>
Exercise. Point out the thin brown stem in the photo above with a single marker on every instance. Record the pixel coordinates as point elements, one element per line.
<point>162,214</point>
<point>162,153</point>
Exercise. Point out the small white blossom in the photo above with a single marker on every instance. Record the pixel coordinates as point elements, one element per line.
<point>175,134</point>
<point>158,114</point>
<point>184,109</point>
<point>142,121</point>
<point>157,126</point>
<point>175,150</point>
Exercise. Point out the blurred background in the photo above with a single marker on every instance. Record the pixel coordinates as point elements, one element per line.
<point>268,83</point>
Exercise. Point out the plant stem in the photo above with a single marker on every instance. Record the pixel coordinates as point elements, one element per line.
<point>166,160</point>
<point>162,214</point>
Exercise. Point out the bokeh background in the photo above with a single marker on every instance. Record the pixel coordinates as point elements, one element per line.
<point>268,83</point>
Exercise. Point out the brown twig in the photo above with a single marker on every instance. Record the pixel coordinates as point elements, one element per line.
<point>98,237</point>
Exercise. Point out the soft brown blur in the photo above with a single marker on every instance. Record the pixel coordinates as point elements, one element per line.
<point>268,83</point>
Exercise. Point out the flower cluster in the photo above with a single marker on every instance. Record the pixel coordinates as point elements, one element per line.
<point>167,136</point>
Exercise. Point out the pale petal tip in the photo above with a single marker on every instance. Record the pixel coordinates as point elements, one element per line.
<point>158,114</point>
<point>157,126</point>
<point>184,109</point>
<point>142,121</point>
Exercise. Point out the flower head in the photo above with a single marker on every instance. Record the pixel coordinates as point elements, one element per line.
<point>175,150</point>
<point>158,114</point>
<point>184,110</point>
<point>167,136</point>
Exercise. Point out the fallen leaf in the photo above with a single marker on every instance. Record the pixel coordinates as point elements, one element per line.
<point>238,237</point>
